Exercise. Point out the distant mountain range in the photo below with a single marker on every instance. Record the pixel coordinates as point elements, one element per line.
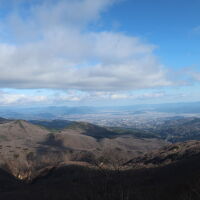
<point>49,112</point>
<point>60,112</point>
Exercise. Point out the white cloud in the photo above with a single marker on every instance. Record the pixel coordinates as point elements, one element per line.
<point>195,75</point>
<point>93,96</point>
<point>12,99</point>
<point>54,48</point>
<point>191,74</point>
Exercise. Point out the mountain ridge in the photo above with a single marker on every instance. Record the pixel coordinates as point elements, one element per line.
<point>26,148</point>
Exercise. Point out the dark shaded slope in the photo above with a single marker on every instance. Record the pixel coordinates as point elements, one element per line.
<point>137,133</point>
<point>3,120</point>
<point>53,124</point>
<point>91,130</point>
<point>178,181</point>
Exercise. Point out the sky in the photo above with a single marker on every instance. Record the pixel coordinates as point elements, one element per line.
<point>99,52</point>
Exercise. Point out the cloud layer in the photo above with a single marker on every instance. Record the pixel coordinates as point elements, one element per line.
<point>51,45</point>
<point>73,97</point>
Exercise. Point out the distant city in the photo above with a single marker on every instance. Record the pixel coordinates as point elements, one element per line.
<point>136,116</point>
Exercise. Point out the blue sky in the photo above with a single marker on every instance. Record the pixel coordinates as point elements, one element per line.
<point>168,24</point>
<point>99,52</point>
